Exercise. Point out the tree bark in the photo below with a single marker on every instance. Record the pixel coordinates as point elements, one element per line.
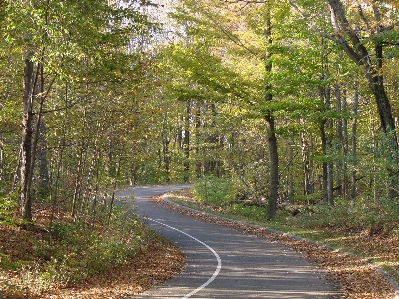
<point>325,123</point>
<point>79,168</point>
<point>290,183</point>
<point>198,125</point>
<point>305,160</point>
<point>271,130</point>
<point>186,143</point>
<point>26,143</point>
<point>354,143</point>
<point>345,146</point>
<point>339,142</point>
<point>44,176</point>
<point>274,182</point>
<point>373,70</point>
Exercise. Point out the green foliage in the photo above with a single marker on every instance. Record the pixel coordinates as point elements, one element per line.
<point>7,209</point>
<point>248,211</point>
<point>215,191</point>
<point>7,263</point>
<point>76,251</point>
<point>364,216</point>
<point>62,230</point>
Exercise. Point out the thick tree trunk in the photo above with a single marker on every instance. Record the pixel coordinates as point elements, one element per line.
<point>273,192</point>
<point>350,41</point>
<point>388,126</point>
<point>26,143</point>
<point>271,134</point>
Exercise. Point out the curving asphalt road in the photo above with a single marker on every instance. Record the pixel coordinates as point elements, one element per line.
<point>226,263</point>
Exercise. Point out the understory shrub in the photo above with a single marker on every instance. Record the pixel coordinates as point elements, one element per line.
<point>215,191</point>
<point>376,217</point>
<point>258,213</point>
<point>7,208</point>
<point>71,252</point>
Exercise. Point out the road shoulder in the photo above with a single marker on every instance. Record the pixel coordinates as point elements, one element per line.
<point>356,277</point>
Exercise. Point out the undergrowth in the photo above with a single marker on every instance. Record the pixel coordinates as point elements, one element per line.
<point>366,227</point>
<point>364,214</point>
<point>68,252</point>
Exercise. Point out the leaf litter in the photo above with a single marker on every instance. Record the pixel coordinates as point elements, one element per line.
<point>356,278</point>
<point>158,261</point>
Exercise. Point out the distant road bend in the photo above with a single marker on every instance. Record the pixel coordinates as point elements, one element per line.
<point>225,263</point>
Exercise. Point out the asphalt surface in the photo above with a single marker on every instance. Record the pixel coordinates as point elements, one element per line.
<point>225,263</point>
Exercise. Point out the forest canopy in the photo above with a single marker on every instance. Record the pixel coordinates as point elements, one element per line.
<point>293,101</point>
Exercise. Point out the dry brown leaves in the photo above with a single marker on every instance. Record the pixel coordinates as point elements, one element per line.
<point>357,278</point>
<point>142,272</point>
<point>157,263</point>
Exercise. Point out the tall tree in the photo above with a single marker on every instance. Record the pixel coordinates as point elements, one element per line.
<point>363,30</point>
<point>64,41</point>
<point>271,130</point>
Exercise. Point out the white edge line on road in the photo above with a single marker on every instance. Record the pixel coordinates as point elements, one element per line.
<point>219,266</point>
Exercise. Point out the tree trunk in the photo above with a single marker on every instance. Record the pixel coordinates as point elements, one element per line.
<point>166,157</point>
<point>39,136</point>
<point>165,148</point>
<point>339,142</point>
<point>79,168</point>
<point>26,144</point>
<point>271,133</point>
<point>42,160</point>
<point>345,146</point>
<point>115,184</point>
<point>354,144</point>
<point>198,166</point>
<point>355,48</point>
<point>211,144</point>
<point>290,183</point>
<point>186,143</point>
<point>273,192</point>
<point>325,146</point>
<point>305,161</point>
<point>323,138</point>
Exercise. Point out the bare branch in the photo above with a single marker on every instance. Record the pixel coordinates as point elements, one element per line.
<point>311,24</point>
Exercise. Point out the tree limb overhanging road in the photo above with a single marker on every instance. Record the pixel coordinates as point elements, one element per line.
<point>225,263</point>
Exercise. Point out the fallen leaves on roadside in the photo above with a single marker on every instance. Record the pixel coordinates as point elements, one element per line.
<point>157,262</point>
<point>155,265</point>
<point>357,278</point>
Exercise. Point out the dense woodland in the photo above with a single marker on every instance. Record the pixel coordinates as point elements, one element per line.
<point>291,101</point>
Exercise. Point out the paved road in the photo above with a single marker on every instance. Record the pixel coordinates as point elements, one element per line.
<point>225,263</point>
